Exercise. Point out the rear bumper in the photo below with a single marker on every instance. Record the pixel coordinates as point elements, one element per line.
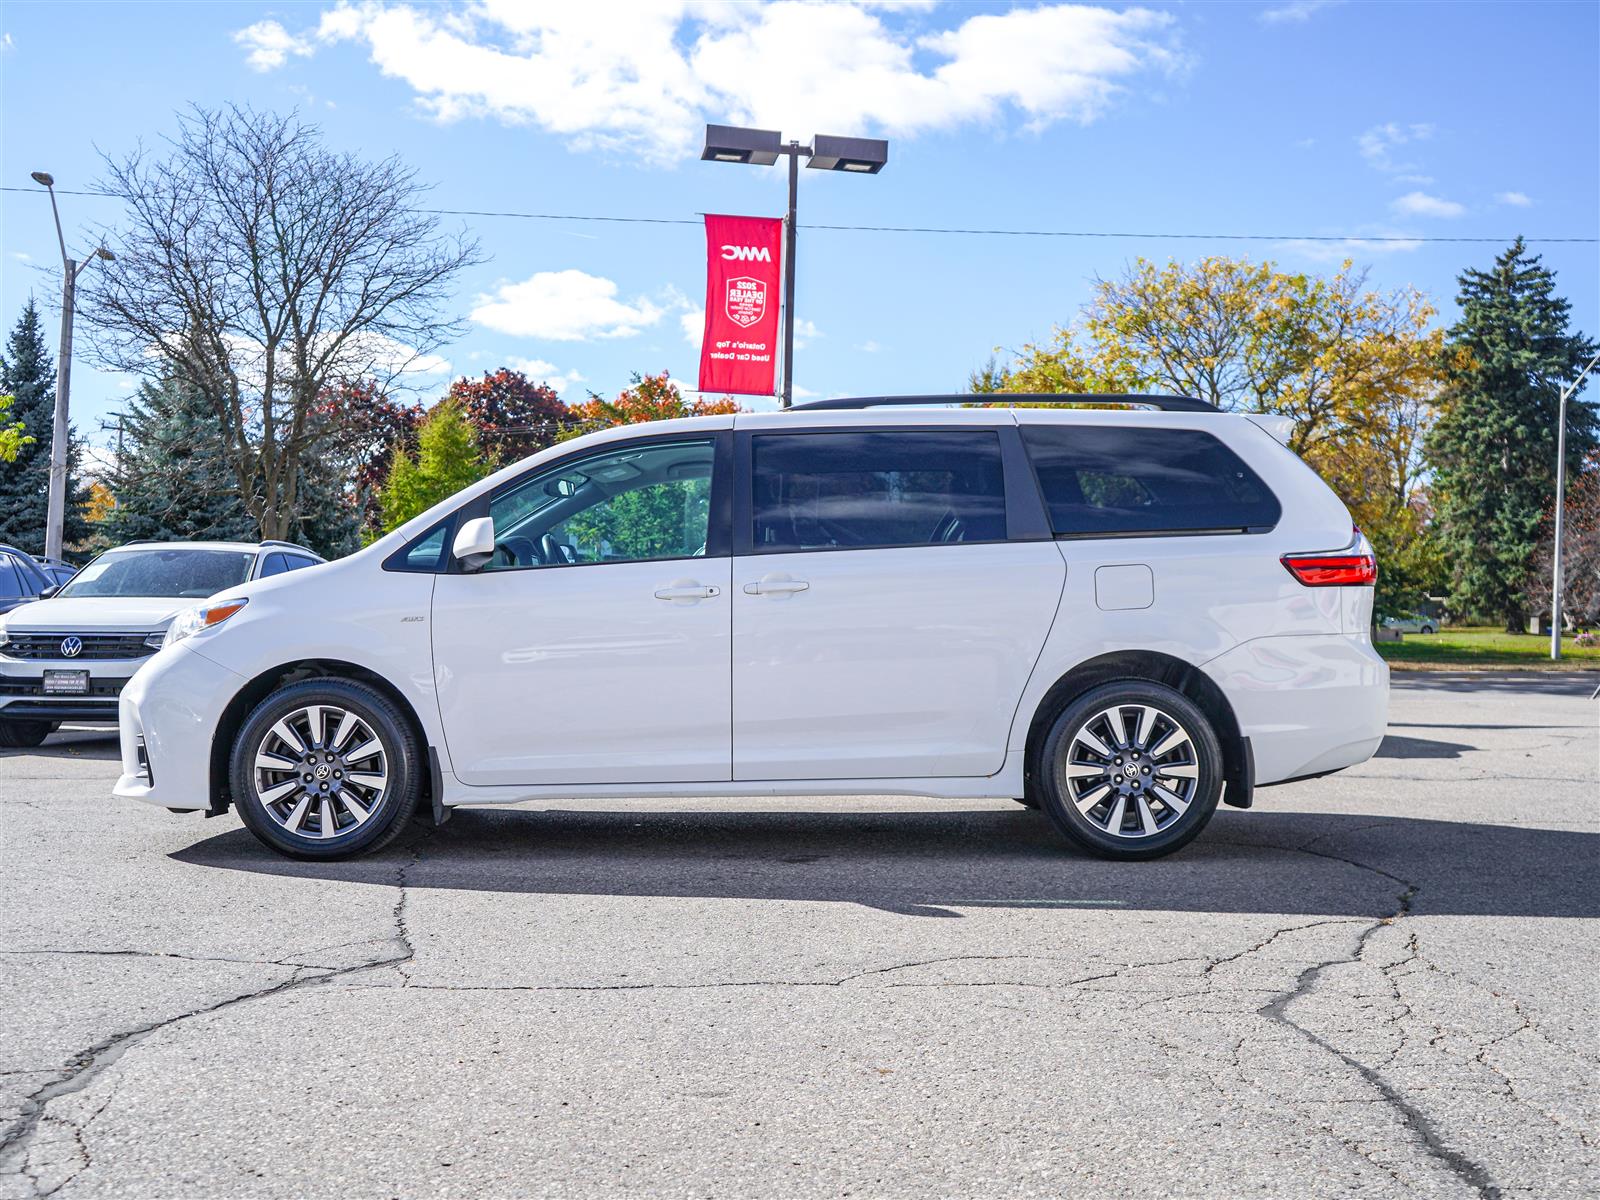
<point>1309,704</point>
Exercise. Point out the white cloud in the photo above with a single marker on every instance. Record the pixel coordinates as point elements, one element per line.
<point>1515,199</point>
<point>5,42</point>
<point>540,371</point>
<point>270,45</point>
<point>693,323</point>
<point>564,306</point>
<point>1297,12</point>
<point>1392,242</point>
<point>1378,144</point>
<point>645,84</point>
<point>1420,204</point>
<point>22,256</point>
<point>869,347</point>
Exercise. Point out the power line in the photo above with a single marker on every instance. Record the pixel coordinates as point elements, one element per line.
<point>1353,239</point>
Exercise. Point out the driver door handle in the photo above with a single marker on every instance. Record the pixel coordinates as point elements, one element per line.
<point>688,592</point>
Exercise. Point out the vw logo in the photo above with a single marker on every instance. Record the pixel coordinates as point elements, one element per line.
<point>71,647</point>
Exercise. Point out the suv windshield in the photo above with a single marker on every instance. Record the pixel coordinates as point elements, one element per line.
<point>168,571</point>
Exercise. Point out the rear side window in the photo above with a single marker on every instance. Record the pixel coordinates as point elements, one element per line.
<point>1106,481</point>
<point>275,564</point>
<point>851,491</point>
<point>298,562</point>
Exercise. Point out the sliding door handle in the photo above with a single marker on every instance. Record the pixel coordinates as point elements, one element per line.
<point>775,586</point>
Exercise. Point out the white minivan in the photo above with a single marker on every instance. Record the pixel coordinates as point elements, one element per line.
<point>1120,615</point>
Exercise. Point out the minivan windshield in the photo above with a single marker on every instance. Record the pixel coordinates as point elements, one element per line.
<point>161,571</point>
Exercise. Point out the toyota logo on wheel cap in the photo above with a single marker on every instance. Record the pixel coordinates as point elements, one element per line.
<point>71,647</point>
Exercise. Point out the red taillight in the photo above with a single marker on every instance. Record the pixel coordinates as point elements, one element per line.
<point>1332,570</point>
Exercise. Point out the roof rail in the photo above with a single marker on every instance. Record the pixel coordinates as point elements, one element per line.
<point>1124,399</point>
<point>289,545</point>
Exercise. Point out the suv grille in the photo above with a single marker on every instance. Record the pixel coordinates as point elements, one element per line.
<point>96,646</point>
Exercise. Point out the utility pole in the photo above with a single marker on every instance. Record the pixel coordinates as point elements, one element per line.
<point>55,522</point>
<point>1561,511</point>
<point>794,151</point>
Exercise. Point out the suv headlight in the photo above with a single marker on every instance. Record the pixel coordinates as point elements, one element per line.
<point>202,617</point>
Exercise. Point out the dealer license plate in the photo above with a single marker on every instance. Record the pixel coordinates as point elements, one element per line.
<point>66,683</point>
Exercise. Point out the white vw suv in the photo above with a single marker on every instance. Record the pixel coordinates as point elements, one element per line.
<point>1121,617</point>
<point>67,656</point>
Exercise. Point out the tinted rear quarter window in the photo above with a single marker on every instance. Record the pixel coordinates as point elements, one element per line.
<point>1111,480</point>
<point>841,491</point>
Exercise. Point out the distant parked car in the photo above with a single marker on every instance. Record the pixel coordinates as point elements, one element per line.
<point>1415,623</point>
<point>67,657</point>
<point>59,569</point>
<point>21,578</point>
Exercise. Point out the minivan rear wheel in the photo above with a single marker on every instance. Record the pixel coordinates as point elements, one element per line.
<point>1130,770</point>
<point>326,769</point>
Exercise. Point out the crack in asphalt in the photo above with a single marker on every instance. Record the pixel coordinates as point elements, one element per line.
<point>1427,1133</point>
<point>88,1065</point>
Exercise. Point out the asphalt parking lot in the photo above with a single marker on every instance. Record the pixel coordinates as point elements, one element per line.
<point>1382,983</point>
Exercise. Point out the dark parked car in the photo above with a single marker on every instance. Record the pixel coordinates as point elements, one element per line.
<point>59,569</point>
<point>21,579</point>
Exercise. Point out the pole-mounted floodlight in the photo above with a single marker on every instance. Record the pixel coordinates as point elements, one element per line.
<point>761,148</point>
<point>866,156</point>
<point>729,143</point>
<point>56,513</point>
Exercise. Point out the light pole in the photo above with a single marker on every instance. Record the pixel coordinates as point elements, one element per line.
<point>1561,511</point>
<point>761,148</point>
<point>55,522</point>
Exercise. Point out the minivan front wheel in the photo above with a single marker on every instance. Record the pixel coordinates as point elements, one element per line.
<point>325,769</point>
<point>1131,770</point>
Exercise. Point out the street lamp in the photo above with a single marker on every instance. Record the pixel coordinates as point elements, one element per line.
<point>761,148</point>
<point>55,522</point>
<point>1561,509</point>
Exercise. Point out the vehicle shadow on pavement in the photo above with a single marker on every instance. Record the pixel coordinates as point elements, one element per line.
<point>936,863</point>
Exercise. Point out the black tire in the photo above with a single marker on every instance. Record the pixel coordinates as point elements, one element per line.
<point>401,761</point>
<point>1089,827</point>
<point>1426,629</point>
<point>21,735</point>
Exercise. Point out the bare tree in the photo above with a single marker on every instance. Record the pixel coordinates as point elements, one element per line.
<point>261,268</point>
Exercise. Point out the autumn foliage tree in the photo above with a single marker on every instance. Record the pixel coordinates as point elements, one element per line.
<point>1355,369</point>
<point>648,398</point>
<point>514,416</point>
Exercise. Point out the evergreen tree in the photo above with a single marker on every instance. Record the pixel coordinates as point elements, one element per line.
<point>1494,446</point>
<point>448,459</point>
<point>28,373</point>
<point>172,481</point>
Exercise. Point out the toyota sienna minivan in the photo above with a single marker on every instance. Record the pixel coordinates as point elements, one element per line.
<point>1121,615</point>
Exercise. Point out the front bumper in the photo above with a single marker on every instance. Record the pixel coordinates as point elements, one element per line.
<point>167,717</point>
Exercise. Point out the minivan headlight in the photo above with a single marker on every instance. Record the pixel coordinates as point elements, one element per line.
<point>202,617</point>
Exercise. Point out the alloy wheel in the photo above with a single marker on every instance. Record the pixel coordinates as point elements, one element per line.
<point>1131,771</point>
<point>320,771</point>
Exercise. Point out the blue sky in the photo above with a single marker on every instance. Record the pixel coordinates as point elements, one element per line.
<point>1281,118</point>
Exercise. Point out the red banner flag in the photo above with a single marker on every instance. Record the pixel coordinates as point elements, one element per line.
<point>739,349</point>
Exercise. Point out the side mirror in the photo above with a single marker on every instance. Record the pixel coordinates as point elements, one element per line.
<point>50,591</point>
<point>474,544</point>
